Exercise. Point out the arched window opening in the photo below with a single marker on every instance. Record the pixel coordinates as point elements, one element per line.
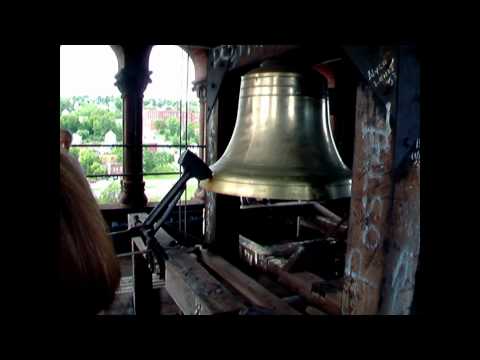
<point>171,114</point>
<point>91,109</point>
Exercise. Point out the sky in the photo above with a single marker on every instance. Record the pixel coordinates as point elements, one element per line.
<point>91,69</point>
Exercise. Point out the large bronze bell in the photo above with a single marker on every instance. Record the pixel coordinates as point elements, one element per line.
<point>282,146</point>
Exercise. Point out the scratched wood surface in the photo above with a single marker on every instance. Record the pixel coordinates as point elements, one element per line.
<point>371,199</point>
<point>245,285</point>
<point>210,197</point>
<point>194,290</point>
<point>402,252</point>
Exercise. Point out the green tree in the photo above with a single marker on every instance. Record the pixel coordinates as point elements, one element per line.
<point>154,162</point>
<point>118,104</point>
<point>70,122</point>
<point>91,162</point>
<point>170,130</point>
<point>98,122</point>
<point>118,152</point>
<point>66,104</point>
<point>75,151</point>
<point>111,193</point>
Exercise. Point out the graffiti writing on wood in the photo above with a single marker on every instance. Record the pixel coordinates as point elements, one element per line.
<point>355,260</point>
<point>415,156</point>
<point>378,143</point>
<point>383,74</point>
<point>403,272</point>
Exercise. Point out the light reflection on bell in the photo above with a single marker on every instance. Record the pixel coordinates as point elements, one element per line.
<point>282,146</point>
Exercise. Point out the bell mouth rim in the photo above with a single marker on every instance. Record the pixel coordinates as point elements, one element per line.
<point>300,191</point>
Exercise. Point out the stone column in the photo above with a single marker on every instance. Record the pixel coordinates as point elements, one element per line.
<point>132,81</point>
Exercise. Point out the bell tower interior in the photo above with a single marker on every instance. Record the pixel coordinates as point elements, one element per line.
<point>351,147</point>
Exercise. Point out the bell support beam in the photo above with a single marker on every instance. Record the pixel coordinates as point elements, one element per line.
<point>393,74</point>
<point>384,231</point>
<point>221,211</point>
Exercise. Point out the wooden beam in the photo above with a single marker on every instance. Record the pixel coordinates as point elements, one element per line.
<point>402,258</point>
<point>371,199</point>
<point>310,310</point>
<point>253,291</point>
<point>303,283</point>
<point>324,211</point>
<point>324,225</point>
<point>384,229</point>
<point>194,290</point>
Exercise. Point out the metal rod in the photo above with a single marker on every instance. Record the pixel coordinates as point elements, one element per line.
<point>298,224</point>
<point>166,201</point>
<point>101,145</point>
<point>186,143</point>
<point>127,174</point>
<point>133,272</point>
<point>143,145</point>
<point>134,253</point>
<point>179,166</point>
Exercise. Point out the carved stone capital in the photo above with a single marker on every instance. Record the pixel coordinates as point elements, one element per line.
<point>201,88</point>
<point>131,80</point>
<point>133,193</point>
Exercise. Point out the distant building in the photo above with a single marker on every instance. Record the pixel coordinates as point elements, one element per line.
<point>109,139</point>
<point>114,167</point>
<point>150,116</point>
<point>76,139</point>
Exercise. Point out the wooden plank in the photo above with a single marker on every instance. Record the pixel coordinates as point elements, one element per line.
<point>403,251</point>
<point>194,290</point>
<point>324,225</point>
<point>303,283</point>
<point>326,212</point>
<point>253,291</point>
<point>370,205</point>
<point>310,310</point>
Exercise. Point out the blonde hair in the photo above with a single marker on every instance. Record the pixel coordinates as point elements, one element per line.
<point>89,271</point>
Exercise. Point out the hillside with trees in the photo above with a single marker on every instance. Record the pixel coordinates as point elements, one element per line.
<point>91,118</point>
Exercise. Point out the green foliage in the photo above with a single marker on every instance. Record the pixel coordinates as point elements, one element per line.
<point>98,120</point>
<point>118,104</point>
<point>154,162</point>
<point>170,104</point>
<point>75,152</point>
<point>66,104</point>
<point>170,130</point>
<point>91,162</point>
<point>118,152</point>
<point>111,193</point>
